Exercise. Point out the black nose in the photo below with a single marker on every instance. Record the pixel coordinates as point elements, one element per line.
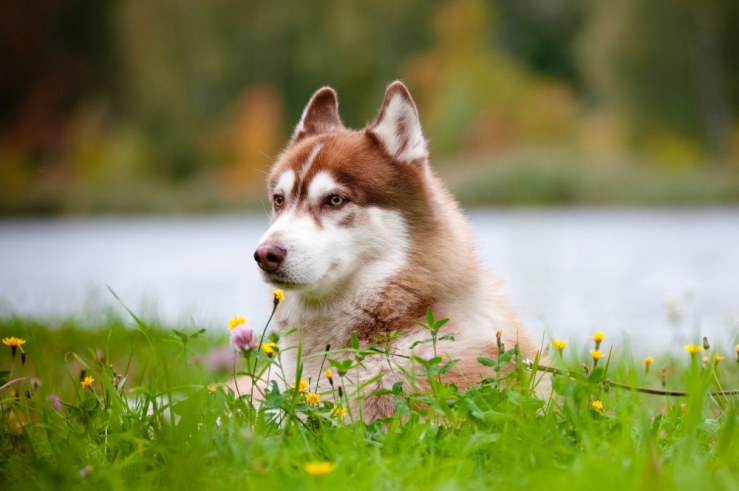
<point>269,256</point>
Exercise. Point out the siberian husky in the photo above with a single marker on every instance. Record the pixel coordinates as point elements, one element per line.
<point>365,238</point>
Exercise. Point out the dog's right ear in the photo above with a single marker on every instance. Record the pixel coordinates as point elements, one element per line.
<point>321,115</point>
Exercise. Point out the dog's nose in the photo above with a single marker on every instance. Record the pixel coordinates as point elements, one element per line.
<point>269,257</point>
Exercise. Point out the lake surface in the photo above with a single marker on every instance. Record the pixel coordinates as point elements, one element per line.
<point>660,277</point>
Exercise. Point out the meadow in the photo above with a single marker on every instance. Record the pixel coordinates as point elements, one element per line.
<point>131,404</point>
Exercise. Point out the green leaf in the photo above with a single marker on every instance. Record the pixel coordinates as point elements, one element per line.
<point>597,375</point>
<point>354,340</point>
<point>430,317</point>
<point>447,367</point>
<point>485,361</point>
<point>89,404</point>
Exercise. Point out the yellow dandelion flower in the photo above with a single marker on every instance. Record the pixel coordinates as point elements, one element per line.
<point>338,411</point>
<point>312,399</point>
<point>329,375</point>
<point>279,296</point>
<point>693,349</point>
<point>269,348</point>
<point>596,354</point>
<point>212,388</point>
<point>599,336</point>
<point>236,321</point>
<point>14,344</point>
<point>597,405</point>
<point>717,358</point>
<point>87,382</point>
<point>559,344</point>
<point>648,362</point>
<point>319,468</point>
<point>302,386</point>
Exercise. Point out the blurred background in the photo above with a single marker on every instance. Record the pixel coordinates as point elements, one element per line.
<point>135,137</point>
<point>181,105</point>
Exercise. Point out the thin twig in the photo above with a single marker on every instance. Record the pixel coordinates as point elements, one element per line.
<point>643,390</point>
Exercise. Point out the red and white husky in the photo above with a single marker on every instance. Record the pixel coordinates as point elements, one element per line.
<point>364,238</point>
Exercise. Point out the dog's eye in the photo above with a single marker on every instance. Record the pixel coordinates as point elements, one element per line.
<point>335,200</point>
<point>278,200</point>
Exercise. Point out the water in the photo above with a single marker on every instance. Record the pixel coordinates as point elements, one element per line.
<point>660,278</point>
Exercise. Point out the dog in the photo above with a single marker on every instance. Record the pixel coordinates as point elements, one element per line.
<point>364,238</point>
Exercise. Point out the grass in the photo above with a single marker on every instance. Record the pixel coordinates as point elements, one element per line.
<point>155,418</point>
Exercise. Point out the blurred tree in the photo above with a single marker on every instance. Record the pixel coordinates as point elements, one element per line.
<point>476,98</point>
<point>188,63</point>
<point>669,68</point>
<point>542,34</point>
<point>54,56</point>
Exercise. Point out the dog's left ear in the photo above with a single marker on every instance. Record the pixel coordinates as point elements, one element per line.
<point>398,128</point>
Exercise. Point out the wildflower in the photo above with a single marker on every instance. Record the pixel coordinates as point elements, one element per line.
<point>236,321</point>
<point>279,296</point>
<point>87,382</point>
<point>647,363</point>
<point>56,402</point>
<point>212,387</point>
<point>243,338</point>
<point>559,344</point>
<point>598,337</point>
<point>86,471</point>
<point>302,386</point>
<point>338,411</point>
<point>498,335</point>
<point>312,398</point>
<point>693,349</point>
<point>330,377</point>
<point>269,348</point>
<point>706,345</point>
<point>717,358</point>
<point>597,405</point>
<point>14,344</point>
<point>319,468</point>
<point>597,355</point>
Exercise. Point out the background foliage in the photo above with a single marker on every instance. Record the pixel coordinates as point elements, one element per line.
<point>173,104</point>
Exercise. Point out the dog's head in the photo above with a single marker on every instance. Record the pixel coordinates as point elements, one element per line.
<point>345,202</point>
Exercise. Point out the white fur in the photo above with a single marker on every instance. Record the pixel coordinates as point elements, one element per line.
<point>309,161</point>
<point>399,124</point>
<point>320,186</point>
<point>285,183</point>
<point>301,124</point>
<point>321,258</point>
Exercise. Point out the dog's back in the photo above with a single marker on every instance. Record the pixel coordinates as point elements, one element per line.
<point>365,238</point>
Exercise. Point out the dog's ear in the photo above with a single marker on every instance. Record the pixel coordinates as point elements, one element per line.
<point>398,128</point>
<point>321,115</point>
